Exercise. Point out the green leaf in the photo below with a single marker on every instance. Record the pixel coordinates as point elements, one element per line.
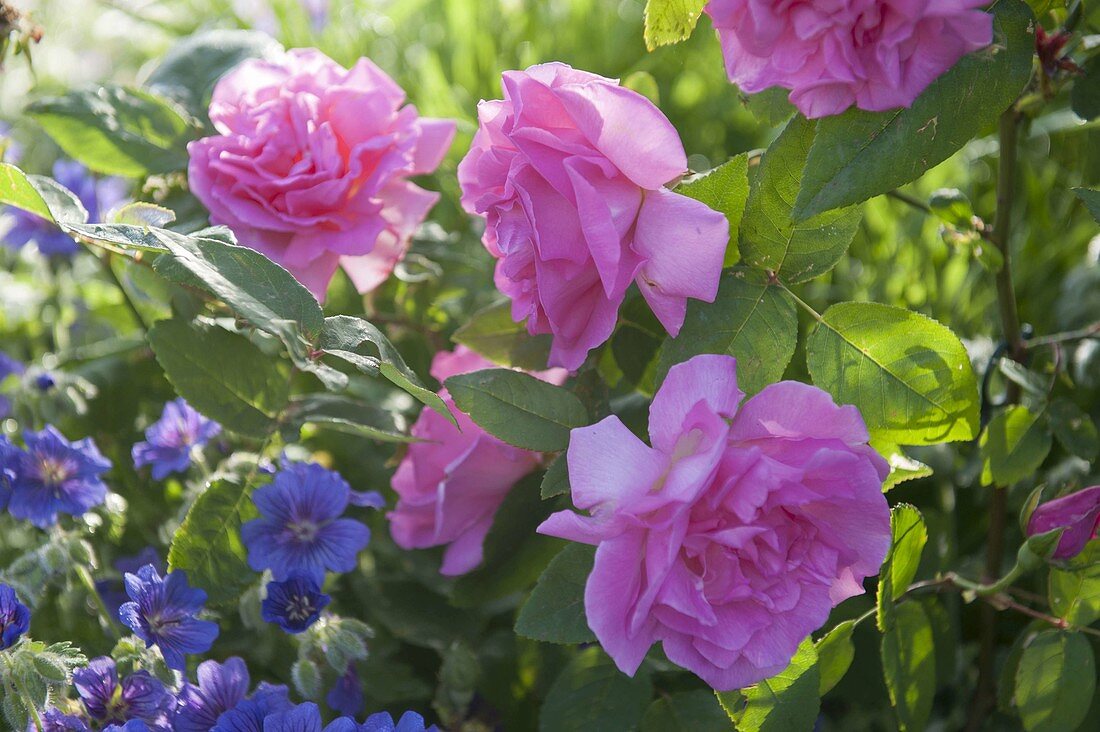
<point>40,196</point>
<point>859,154</point>
<point>126,237</point>
<point>952,207</point>
<point>346,337</point>
<point>257,289</point>
<point>492,333</point>
<point>1074,589</point>
<point>554,613</point>
<point>770,238</point>
<point>345,415</point>
<point>670,21</point>
<point>1075,430</point>
<point>208,543</point>
<point>908,535</point>
<point>222,375</point>
<point>518,408</point>
<point>909,375</point>
<point>789,700</point>
<point>514,555</point>
<point>191,68</point>
<point>117,130</point>
<point>835,652</point>
<point>909,665</point>
<point>591,694</point>
<point>1055,682</point>
<point>687,711</point>
<point>751,320</point>
<point>1014,445</point>
<point>143,214</point>
<point>636,342</point>
<point>902,467</point>
<point>726,190</point>
<point>1091,198</point>
<point>1084,97</point>
<point>556,480</point>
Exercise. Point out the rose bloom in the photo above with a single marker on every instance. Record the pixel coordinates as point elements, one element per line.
<point>1078,514</point>
<point>734,535</point>
<point>831,54</point>
<point>569,171</point>
<point>311,163</point>
<point>450,486</point>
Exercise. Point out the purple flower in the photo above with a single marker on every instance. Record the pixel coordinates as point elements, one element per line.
<point>139,696</point>
<point>98,197</point>
<point>346,697</point>
<point>383,722</point>
<point>8,454</point>
<point>294,604</point>
<point>170,440</point>
<point>162,613</point>
<point>134,725</point>
<point>221,687</point>
<point>15,618</point>
<point>301,530</point>
<point>1078,514</point>
<point>306,718</point>
<point>56,476</point>
<point>54,720</point>
<point>112,591</point>
<point>249,715</point>
<point>44,381</point>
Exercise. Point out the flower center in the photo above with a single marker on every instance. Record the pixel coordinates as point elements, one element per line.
<point>53,471</point>
<point>304,531</point>
<point>299,608</point>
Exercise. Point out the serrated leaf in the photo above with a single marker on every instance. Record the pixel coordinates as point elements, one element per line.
<point>726,190</point>
<point>670,21</point>
<point>902,467</point>
<point>790,700</point>
<point>909,375</point>
<point>1074,588</point>
<point>859,154</point>
<point>126,237</point>
<point>492,333</point>
<point>222,375</point>
<point>909,665</point>
<point>40,196</point>
<point>518,408</point>
<point>1055,682</point>
<point>687,711</point>
<point>908,535</point>
<point>835,652</point>
<point>591,694</point>
<point>208,543</point>
<point>117,130</point>
<point>514,555</point>
<point>554,613</point>
<point>344,414</point>
<point>556,480</point>
<point>770,238</point>
<point>752,321</point>
<point>1014,445</point>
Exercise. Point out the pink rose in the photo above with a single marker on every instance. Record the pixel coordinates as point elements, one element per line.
<point>450,486</point>
<point>731,538</point>
<point>1078,513</point>
<point>569,171</point>
<point>311,165</point>
<point>831,54</point>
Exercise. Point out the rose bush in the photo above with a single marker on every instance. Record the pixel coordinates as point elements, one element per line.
<point>627,398</point>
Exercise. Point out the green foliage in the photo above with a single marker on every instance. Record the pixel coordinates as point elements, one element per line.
<point>222,375</point>
<point>726,190</point>
<point>1075,430</point>
<point>492,333</point>
<point>117,130</point>
<point>687,711</point>
<point>909,665</point>
<point>1014,445</point>
<point>590,693</point>
<point>40,195</point>
<point>751,320</point>
<point>908,535</point>
<point>909,376</point>
<point>518,408</point>
<point>670,21</point>
<point>338,412</point>
<point>835,653</point>
<point>857,155</point>
<point>1055,681</point>
<point>555,610</point>
<point>787,701</point>
<point>770,237</point>
<point>556,480</point>
<point>1074,588</point>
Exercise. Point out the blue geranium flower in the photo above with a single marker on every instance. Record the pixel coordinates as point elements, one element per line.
<point>249,715</point>
<point>113,591</point>
<point>15,618</point>
<point>98,197</point>
<point>294,604</point>
<point>53,475</point>
<point>170,440</point>
<point>162,613</point>
<point>346,696</point>
<point>8,453</point>
<point>383,722</point>
<point>301,531</point>
<point>54,720</point>
<point>139,696</point>
<point>221,687</point>
<point>134,725</point>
